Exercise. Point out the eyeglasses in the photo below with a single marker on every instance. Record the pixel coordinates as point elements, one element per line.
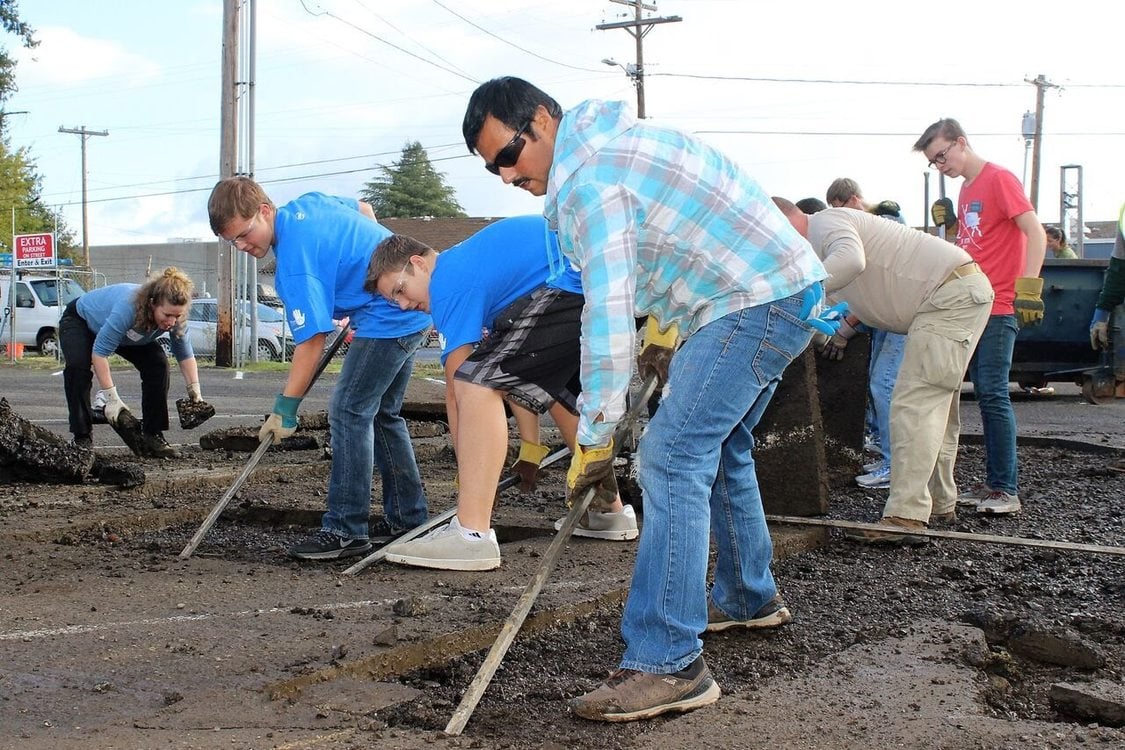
<point>245,232</point>
<point>400,285</point>
<point>510,154</point>
<point>940,156</point>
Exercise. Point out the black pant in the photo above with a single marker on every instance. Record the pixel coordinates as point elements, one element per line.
<point>77,343</point>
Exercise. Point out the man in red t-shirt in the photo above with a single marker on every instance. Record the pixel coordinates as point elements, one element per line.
<point>998,227</point>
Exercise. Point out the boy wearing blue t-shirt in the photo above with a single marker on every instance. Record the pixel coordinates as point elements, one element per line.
<point>322,245</point>
<point>509,326</point>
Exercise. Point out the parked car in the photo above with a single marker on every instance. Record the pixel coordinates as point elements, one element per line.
<point>39,300</point>
<point>273,335</point>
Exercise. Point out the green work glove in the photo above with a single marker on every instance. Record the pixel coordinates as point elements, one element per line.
<point>282,422</point>
<point>526,466</point>
<point>592,467</point>
<point>1029,303</point>
<point>943,213</point>
<point>1099,329</point>
<point>656,351</point>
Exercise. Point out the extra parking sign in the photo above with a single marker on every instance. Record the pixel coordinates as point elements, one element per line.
<point>34,250</point>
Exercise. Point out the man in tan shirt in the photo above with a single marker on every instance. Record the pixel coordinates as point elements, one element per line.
<point>902,280</point>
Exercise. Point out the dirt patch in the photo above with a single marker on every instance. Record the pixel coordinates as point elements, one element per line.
<point>111,641</point>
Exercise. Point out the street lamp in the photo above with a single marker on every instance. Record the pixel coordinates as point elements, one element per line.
<point>635,74</point>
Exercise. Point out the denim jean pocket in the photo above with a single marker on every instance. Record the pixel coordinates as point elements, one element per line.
<point>786,336</point>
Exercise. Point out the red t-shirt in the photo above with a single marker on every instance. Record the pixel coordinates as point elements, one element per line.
<point>988,232</point>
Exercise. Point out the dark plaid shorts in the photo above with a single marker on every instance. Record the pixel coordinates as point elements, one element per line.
<point>533,352</point>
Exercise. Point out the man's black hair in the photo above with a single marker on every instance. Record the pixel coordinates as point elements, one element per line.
<point>510,100</point>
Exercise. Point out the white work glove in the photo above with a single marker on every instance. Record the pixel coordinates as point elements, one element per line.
<point>113,404</point>
<point>193,392</point>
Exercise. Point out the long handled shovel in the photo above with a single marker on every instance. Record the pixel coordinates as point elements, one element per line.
<point>257,455</point>
<point>512,625</point>
<point>441,518</point>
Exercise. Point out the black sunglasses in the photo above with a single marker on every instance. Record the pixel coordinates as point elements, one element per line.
<point>510,154</point>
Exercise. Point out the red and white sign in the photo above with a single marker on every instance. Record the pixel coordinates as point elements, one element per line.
<point>34,250</point>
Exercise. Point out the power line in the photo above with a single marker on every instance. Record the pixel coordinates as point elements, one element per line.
<point>511,44</point>
<point>854,82</point>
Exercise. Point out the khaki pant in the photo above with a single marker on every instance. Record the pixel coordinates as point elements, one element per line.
<point>925,416</point>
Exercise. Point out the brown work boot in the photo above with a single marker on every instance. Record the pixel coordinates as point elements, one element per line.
<point>157,447</point>
<point>629,695</point>
<point>946,518</point>
<point>893,524</point>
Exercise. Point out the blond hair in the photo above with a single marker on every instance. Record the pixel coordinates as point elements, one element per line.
<point>169,287</point>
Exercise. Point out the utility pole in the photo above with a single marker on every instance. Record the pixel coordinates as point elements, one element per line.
<point>228,167</point>
<point>1041,85</point>
<point>638,28</point>
<point>82,131</point>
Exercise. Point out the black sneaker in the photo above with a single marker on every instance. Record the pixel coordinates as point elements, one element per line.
<point>324,545</point>
<point>773,614</point>
<point>157,447</point>
<point>381,532</point>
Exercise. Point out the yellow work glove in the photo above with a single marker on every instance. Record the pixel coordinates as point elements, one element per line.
<point>943,213</point>
<point>592,467</point>
<point>1029,303</point>
<point>656,351</point>
<point>526,466</point>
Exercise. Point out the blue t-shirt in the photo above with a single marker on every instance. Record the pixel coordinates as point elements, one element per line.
<point>323,245</point>
<point>109,313</point>
<point>476,279</point>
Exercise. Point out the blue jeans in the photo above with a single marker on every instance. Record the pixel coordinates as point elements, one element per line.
<point>989,370</point>
<point>886,358</point>
<point>366,430</point>
<point>697,478</point>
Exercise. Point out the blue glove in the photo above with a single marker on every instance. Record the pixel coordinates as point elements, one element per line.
<point>823,320</point>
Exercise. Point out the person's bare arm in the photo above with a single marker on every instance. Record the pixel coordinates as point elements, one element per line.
<point>1030,225</point>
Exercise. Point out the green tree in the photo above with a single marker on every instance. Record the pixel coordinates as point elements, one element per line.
<point>20,184</point>
<point>411,188</point>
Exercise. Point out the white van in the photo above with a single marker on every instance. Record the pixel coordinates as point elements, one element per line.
<point>39,302</point>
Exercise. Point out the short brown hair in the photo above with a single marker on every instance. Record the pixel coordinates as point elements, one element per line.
<point>234,197</point>
<point>946,127</point>
<point>391,255</point>
<point>842,190</point>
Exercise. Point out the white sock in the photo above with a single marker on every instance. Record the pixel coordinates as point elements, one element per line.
<point>470,534</point>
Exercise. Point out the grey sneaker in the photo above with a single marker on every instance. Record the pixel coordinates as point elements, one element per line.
<point>620,527</point>
<point>972,497</point>
<point>629,695</point>
<point>773,614</point>
<point>446,548</point>
<point>999,502</point>
<point>873,466</point>
<point>325,545</point>
<point>880,479</point>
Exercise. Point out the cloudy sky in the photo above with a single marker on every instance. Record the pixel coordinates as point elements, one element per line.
<point>798,94</point>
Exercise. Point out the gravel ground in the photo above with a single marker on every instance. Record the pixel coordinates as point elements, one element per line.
<point>846,594</point>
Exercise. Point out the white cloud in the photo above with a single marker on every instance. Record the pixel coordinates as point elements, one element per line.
<point>66,57</point>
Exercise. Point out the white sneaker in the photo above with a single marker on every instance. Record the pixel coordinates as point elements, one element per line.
<point>446,548</point>
<point>619,527</point>
<point>974,496</point>
<point>880,479</point>
<point>999,502</point>
<point>873,466</point>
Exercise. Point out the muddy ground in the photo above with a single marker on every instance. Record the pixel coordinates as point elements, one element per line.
<point>108,640</point>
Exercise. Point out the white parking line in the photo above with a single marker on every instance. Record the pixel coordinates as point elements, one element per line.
<point>31,635</point>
